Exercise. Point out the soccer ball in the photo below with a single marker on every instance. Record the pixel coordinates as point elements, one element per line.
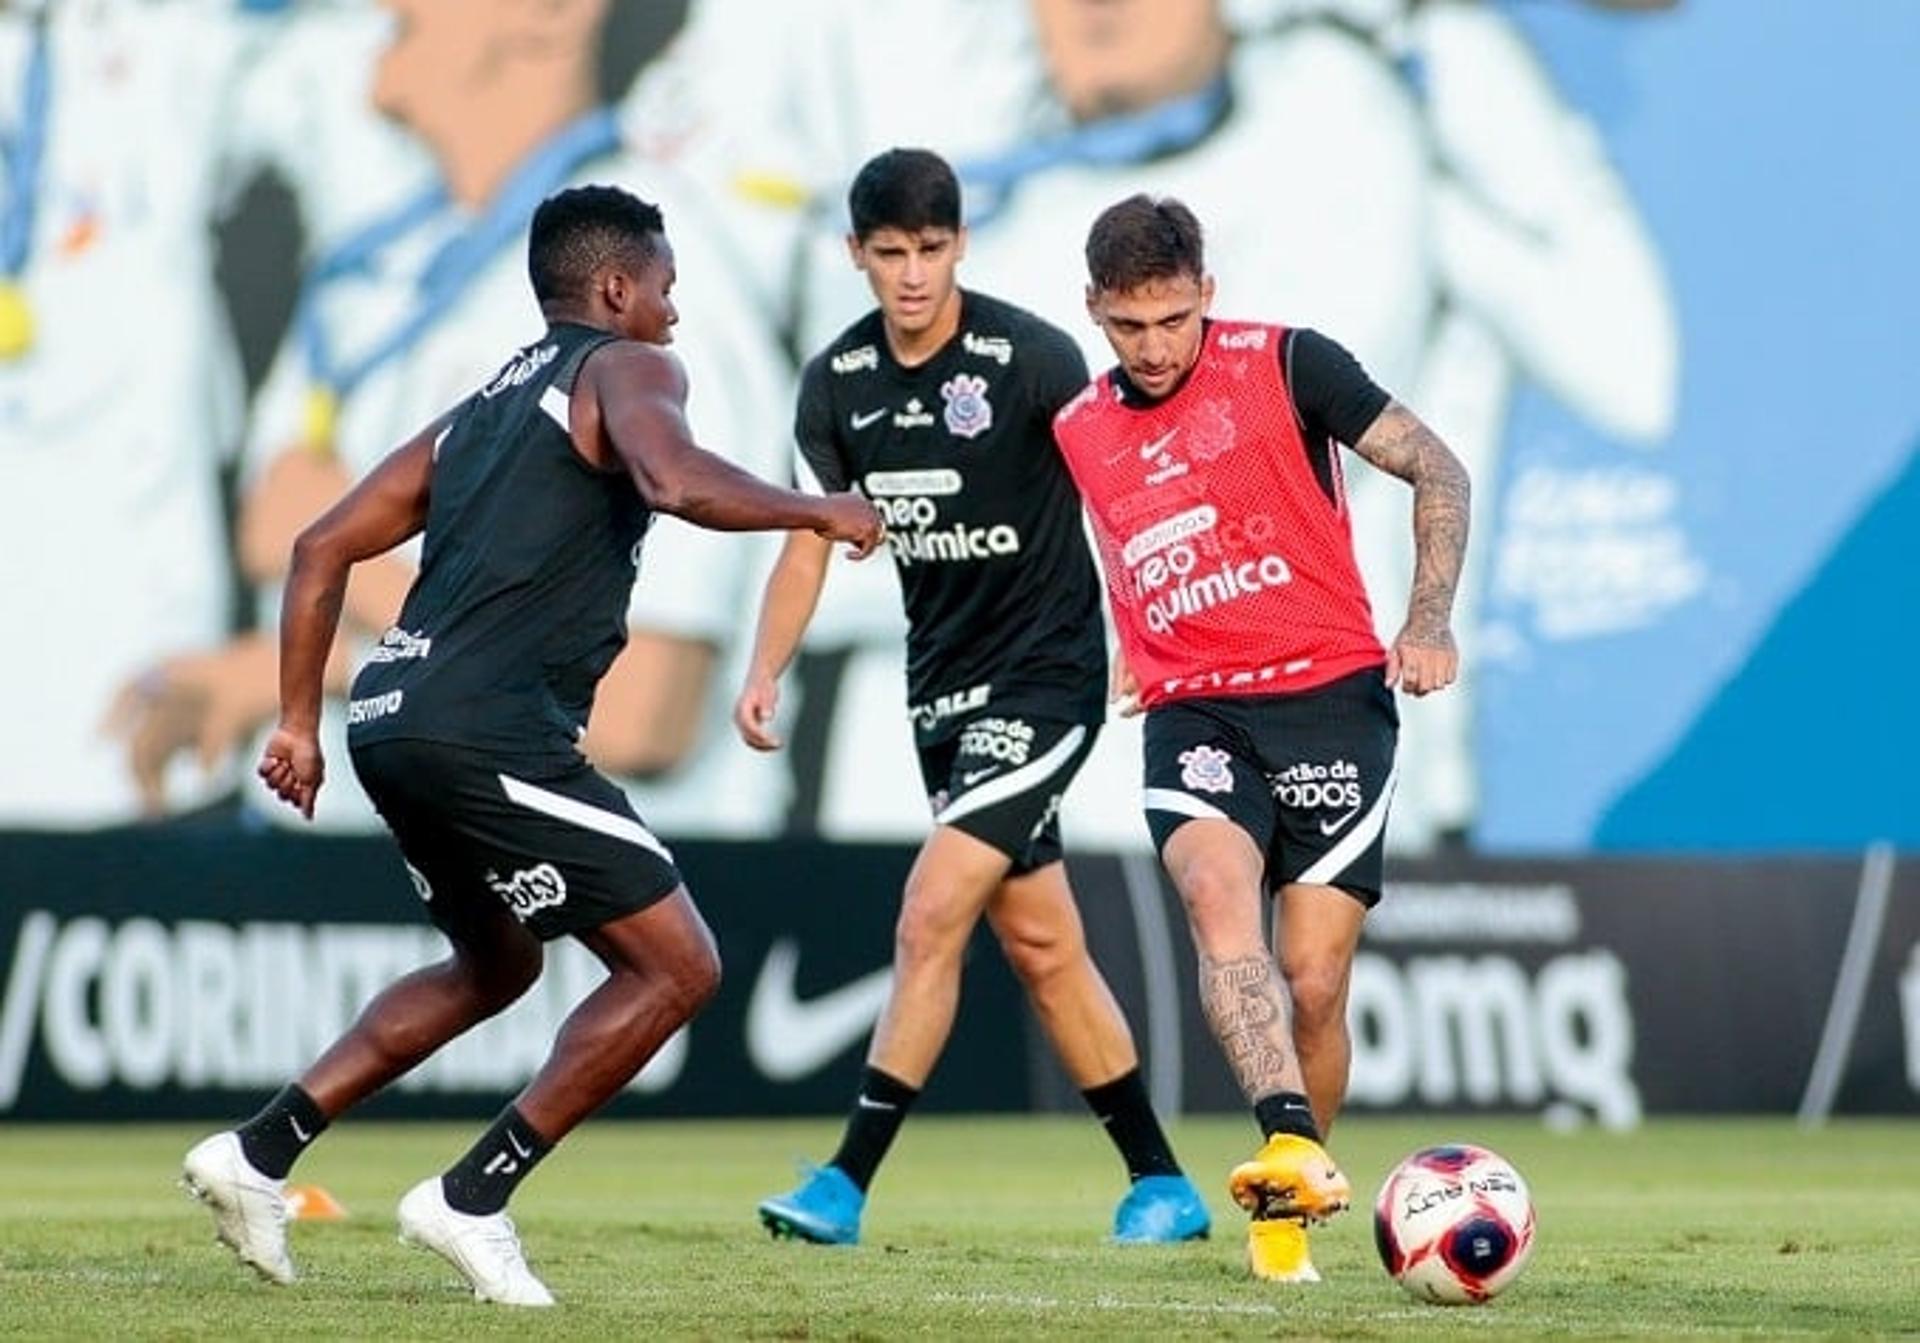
<point>1454,1224</point>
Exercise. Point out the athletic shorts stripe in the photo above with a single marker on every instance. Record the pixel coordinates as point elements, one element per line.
<point>576,812</point>
<point>1028,776</point>
<point>1336,860</point>
<point>1183,804</point>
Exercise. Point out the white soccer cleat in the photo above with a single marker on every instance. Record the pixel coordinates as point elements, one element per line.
<point>249,1209</point>
<point>486,1250</point>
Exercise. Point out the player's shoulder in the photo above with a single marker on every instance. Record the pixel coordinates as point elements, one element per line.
<point>855,351</point>
<point>1082,410</point>
<point>653,366</point>
<point>993,328</point>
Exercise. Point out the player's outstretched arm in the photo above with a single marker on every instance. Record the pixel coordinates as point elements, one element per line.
<point>786,608</point>
<point>1423,657</point>
<point>379,513</point>
<point>638,397</point>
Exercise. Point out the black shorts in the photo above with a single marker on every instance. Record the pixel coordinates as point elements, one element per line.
<point>1309,776</point>
<point>563,850</point>
<point>1001,778</point>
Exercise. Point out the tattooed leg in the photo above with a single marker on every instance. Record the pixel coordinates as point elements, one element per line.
<point>1245,1002</point>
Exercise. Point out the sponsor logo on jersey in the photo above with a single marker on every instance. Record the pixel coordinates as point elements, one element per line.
<point>1179,527</point>
<point>1006,741</point>
<point>517,373</point>
<point>943,707</point>
<point>1206,769</point>
<point>898,484</point>
<point>956,543</point>
<point>856,359</point>
<point>374,707</point>
<point>1310,786</point>
<point>1174,588</point>
<point>915,416</point>
<point>968,414</point>
<point>997,348</point>
<point>1158,454</point>
<point>1254,338</point>
<point>530,890</point>
<point>398,645</point>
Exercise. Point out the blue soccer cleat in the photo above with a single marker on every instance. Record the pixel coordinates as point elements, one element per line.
<point>825,1209</point>
<point>1160,1210</point>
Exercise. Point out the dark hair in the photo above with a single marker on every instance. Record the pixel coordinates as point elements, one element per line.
<point>909,189</point>
<point>1144,238</point>
<point>579,230</point>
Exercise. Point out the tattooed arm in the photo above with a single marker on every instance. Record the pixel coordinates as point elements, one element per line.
<point>1423,657</point>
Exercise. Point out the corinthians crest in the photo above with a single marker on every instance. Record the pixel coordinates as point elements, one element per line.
<point>969,413</point>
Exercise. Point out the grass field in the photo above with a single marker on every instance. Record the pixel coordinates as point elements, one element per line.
<point>985,1227</point>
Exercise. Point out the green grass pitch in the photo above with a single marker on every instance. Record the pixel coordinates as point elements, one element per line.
<point>990,1228</point>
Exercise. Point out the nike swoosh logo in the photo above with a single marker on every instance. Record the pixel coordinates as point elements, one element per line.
<point>868,1103</point>
<point>788,1038</point>
<point>513,1141</point>
<point>860,421</point>
<point>298,1132</point>
<point>973,776</point>
<point>1147,452</point>
<point>1328,827</point>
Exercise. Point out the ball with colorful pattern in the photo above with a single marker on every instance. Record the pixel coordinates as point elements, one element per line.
<point>1454,1224</point>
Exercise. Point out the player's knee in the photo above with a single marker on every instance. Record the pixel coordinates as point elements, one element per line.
<point>498,979</point>
<point>1038,952</point>
<point>696,975</point>
<point>1318,988</point>
<point>928,931</point>
<point>1220,906</point>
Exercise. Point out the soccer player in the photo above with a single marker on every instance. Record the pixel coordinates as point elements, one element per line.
<point>535,495</point>
<point>938,405</point>
<point>1207,461</point>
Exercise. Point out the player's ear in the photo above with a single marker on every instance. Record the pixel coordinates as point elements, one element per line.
<point>615,287</point>
<point>1206,294</point>
<point>960,244</point>
<point>1093,303</point>
<point>856,253</point>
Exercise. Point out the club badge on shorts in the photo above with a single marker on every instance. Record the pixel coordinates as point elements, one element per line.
<point>1206,769</point>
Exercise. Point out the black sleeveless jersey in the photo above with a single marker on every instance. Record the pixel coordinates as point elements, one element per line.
<point>526,569</point>
<point>957,453</point>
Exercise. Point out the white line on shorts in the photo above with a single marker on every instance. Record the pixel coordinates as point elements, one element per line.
<point>1337,859</point>
<point>1030,775</point>
<point>576,812</point>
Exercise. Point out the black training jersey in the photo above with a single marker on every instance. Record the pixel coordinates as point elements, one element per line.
<point>528,563</point>
<point>1001,595</point>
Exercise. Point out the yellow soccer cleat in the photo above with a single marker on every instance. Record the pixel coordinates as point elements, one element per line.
<point>1290,1177</point>
<point>1277,1251</point>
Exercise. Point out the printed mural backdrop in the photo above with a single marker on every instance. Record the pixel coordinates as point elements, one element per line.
<point>1648,267</point>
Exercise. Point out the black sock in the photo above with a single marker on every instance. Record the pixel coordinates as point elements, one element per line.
<point>274,1139</point>
<point>878,1112</point>
<point>1285,1112</point>
<point>484,1179</point>
<point>1122,1106</point>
